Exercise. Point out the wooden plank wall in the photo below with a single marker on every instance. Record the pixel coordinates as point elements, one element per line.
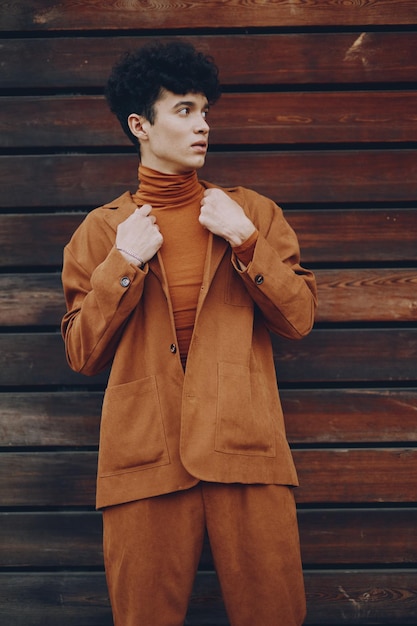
<point>319,113</point>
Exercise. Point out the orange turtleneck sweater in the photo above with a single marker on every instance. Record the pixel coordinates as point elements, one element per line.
<point>176,201</point>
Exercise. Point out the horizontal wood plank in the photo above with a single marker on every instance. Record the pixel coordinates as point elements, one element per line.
<point>350,415</point>
<point>38,359</point>
<point>64,598</point>
<point>336,236</point>
<point>245,118</point>
<point>336,597</point>
<point>319,58</point>
<point>58,418</point>
<point>40,15</point>
<point>31,299</point>
<point>366,295</point>
<point>51,539</point>
<point>379,355</point>
<point>355,235</point>
<point>36,240</point>
<point>348,355</point>
<point>326,476</point>
<point>349,537</point>
<point>387,598</point>
<point>312,416</point>
<point>357,475</point>
<point>323,176</point>
<point>48,479</point>
<point>358,537</point>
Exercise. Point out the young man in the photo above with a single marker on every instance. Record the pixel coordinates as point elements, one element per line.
<point>177,287</point>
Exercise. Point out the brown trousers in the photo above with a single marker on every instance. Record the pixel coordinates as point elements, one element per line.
<point>152,549</point>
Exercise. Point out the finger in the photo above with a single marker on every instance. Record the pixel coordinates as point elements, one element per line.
<point>145,209</point>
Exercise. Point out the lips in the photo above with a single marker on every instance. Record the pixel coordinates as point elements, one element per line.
<point>200,146</point>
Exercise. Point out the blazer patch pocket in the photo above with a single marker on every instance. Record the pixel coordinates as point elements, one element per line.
<point>132,417</point>
<point>242,425</point>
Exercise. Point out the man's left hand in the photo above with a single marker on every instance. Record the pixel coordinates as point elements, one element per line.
<point>225,217</point>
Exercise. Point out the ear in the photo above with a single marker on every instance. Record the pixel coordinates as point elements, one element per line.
<point>138,126</point>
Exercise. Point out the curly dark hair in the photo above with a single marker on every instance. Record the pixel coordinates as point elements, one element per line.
<point>139,77</point>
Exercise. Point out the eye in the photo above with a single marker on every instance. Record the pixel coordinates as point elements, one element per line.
<point>205,114</point>
<point>184,111</point>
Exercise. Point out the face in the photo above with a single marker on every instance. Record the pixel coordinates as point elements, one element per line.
<point>177,141</point>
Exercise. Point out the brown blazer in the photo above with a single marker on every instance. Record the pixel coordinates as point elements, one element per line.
<point>164,429</point>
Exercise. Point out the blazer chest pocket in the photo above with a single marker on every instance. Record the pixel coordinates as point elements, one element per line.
<point>235,292</point>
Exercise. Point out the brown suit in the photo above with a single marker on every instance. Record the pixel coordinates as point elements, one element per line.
<point>165,430</point>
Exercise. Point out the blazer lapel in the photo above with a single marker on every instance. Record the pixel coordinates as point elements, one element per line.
<point>216,249</point>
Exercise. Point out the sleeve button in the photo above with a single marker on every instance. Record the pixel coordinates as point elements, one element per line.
<point>259,279</point>
<point>125,281</point>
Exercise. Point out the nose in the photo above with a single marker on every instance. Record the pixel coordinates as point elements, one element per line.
<point>202,125</point>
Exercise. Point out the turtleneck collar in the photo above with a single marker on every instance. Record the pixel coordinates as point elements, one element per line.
<point>167,190</point>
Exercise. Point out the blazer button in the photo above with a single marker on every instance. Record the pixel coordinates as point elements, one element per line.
<point>125,281</point>
<point>259,279</point>
<point>173,348</point>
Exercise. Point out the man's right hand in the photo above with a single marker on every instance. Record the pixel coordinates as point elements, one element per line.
<point>138,238</point>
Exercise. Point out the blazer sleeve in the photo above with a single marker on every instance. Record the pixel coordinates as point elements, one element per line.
<point>101,290</point>
<point>284,291</point>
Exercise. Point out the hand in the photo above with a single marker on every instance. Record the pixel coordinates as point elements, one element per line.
<point>225,217</point>
<point>139,234</point>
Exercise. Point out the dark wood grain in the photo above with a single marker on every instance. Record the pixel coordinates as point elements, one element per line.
<point>318,117</point>
<point>244,118</point>
<point>38,359</point>
<point>335,476</point>
<point>325,416</point>
<point>358,597</point>
<point>326,355</point>
<point>54,598</point>
<point>347,235</point>
<point>356,476</point>
<point>367,295</point>
<point>334,598</point>
<point>348,355</point>
<point>320,176</point>
<point>51,539</point>
<point>31,300</point>
<point>59,418</point>
<point>261,59</point>
<point>47,15</point>
<point>36,240</point>
<point>45,479</point>
<point>295,176</point>
<point>358,536</point>
<point>328,537</point>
